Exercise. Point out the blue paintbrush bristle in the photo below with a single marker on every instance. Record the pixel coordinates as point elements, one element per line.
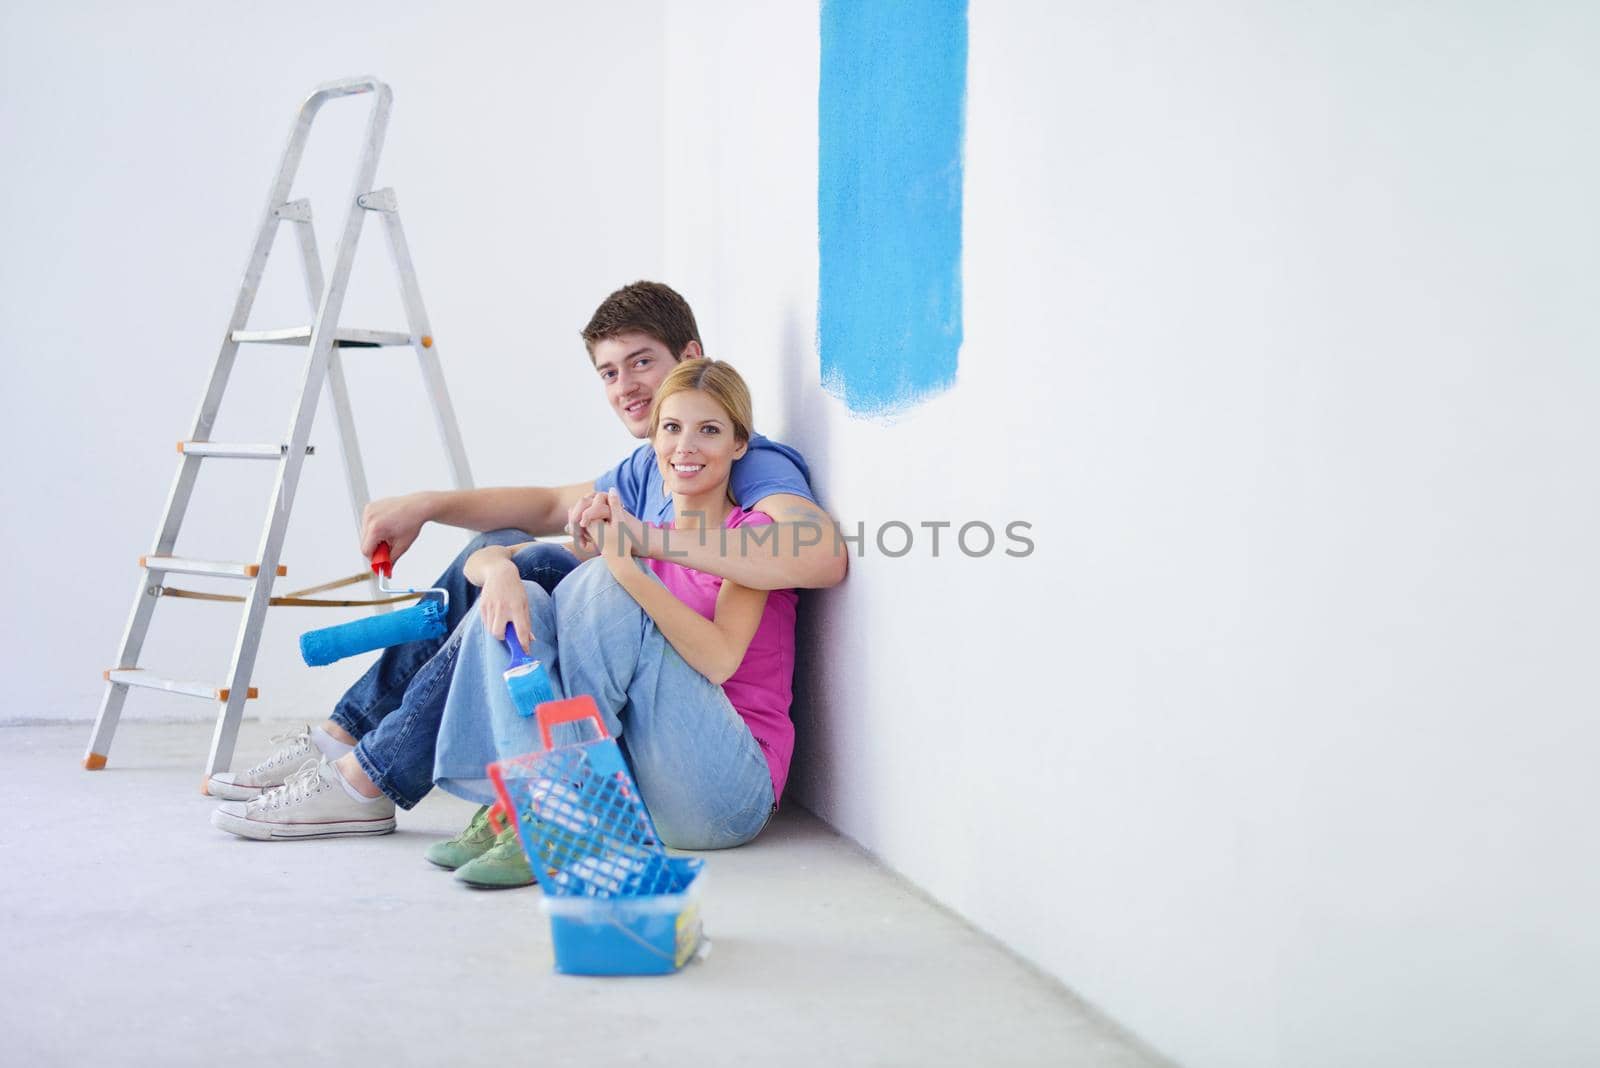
<point>526,678</point>
<point>530,687</point>
<point>422,620</point>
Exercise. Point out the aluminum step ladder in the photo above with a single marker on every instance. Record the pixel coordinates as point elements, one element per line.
<point>324,337</point>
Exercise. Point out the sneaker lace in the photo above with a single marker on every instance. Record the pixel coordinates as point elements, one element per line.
<point>287,747</point>
<point>479,828</point>
<point>296,788</point>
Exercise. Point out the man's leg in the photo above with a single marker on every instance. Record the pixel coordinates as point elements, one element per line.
<point>394,760</point>
<point>379,690</point>
<point>372,697</point>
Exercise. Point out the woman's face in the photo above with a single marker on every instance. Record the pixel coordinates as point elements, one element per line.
<point>694,443</point>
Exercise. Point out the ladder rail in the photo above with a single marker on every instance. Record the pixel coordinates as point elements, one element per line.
<point>444,414</point>
<point>355,470</point>
<point>247,645</point>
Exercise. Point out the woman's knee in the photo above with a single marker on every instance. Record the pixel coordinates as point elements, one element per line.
<point>589,580</point>
<point>539,600</point>
<point>592,596</point>
<point>594,572</point>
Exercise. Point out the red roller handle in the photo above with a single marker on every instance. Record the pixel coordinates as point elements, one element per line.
<point>571,710</point>
<point>380,560</point>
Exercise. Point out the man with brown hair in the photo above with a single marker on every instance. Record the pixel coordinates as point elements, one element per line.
<point>376,750</point>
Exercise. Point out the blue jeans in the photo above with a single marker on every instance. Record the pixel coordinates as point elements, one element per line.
<point>394,709</point>
<point>699,769</point>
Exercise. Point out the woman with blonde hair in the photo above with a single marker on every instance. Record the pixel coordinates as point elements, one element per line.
<point>692,673</point>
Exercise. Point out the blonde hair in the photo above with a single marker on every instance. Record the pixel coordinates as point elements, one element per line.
<point>718,380</point>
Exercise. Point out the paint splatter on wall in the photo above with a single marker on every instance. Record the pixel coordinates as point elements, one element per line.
<point>891,111</point>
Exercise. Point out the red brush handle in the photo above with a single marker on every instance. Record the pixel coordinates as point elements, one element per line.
<point>380,560</point>
<point>571,710</point>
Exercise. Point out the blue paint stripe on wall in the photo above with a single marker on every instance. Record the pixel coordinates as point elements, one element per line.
<point>891,110</point>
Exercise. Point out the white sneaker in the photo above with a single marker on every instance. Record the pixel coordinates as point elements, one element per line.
<point>312,804</point>
<point>293,752</point>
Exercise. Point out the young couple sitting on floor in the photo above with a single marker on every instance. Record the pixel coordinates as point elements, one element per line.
<point>685,641</point>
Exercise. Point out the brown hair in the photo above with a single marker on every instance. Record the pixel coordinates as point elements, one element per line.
<point>648,308</point>
<point>718,380</point>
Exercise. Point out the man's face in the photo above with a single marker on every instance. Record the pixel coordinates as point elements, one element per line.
<point>631,366</point>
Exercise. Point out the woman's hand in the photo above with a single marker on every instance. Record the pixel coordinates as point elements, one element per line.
<point>504,600</point>
<point>396,520</point>
<point>615,533</point>
<point>612,548</point>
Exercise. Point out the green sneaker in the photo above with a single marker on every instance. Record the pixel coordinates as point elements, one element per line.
<point>471,843</point>
<point>501,868</point>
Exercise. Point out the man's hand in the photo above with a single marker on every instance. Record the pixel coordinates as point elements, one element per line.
<point>616,537</point>
<point>396,520</point>
<point>582,544</point>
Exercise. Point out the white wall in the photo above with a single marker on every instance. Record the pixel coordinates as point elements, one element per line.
<point>1279,327</point>
<point>140,141</point>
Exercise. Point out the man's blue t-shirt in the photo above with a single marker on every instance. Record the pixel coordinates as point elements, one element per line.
<point>767,467</point>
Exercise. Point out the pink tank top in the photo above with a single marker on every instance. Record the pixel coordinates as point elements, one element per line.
<point>763,687</point>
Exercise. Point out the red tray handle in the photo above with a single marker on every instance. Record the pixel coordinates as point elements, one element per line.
<point>380,560</point>
<point>571,710</point>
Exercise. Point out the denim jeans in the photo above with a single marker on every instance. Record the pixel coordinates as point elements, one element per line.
<point>699,769</point>
<point>394,709</point>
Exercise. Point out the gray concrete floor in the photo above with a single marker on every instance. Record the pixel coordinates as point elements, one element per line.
<point>134,933</point>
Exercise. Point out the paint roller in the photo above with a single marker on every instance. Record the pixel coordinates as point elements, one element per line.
<point>425,619</point>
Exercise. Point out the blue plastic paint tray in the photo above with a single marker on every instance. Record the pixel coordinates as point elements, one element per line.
<point>651,935</point>
<point>618,904</point>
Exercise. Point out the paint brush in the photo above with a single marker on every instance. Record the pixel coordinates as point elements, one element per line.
<point>525,678</point>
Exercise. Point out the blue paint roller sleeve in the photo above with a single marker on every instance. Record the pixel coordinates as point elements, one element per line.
<point>526,677</point>
<point>425,619</point>
<point>422,620</point>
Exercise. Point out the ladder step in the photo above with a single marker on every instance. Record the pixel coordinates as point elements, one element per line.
<point>214,568</point>
<point>141,677</point>
<point>237,452</point>
<point>344,337</point>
